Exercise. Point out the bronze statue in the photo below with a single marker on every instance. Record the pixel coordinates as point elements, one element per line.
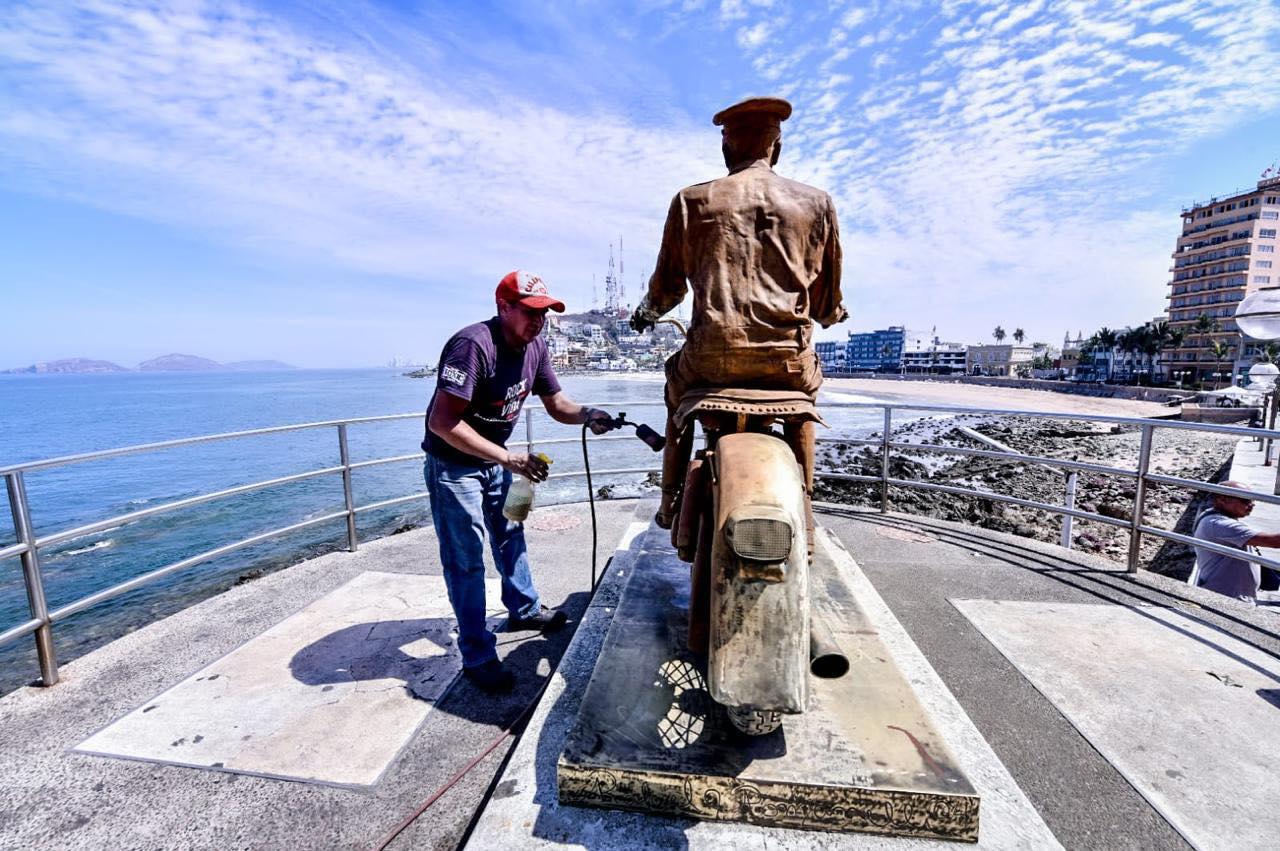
<point>762,254</point>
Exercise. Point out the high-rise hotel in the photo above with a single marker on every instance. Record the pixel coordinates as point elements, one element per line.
<point>1226,251</point>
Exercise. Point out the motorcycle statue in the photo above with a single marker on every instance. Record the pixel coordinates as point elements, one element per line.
<point>744,521</point>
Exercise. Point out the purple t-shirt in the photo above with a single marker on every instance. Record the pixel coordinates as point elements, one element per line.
<point>495,379</point>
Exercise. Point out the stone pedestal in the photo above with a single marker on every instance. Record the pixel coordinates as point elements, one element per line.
<point>865,757</point>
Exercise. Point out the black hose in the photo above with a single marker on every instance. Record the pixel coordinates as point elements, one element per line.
<point>591,498</point>
<point>515,730</point>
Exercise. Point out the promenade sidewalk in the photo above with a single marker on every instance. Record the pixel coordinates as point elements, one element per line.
<point>1113,701</point>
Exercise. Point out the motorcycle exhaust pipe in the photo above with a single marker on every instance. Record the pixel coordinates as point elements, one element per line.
<point>826,660</point>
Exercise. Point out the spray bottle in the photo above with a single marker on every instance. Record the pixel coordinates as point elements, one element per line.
<point>520,495</point>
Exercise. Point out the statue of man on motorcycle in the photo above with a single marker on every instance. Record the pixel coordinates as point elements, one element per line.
<point>762,256</point>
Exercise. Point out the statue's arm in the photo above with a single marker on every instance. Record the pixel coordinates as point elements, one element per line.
<point>826,302</point>
<point>668,284</point>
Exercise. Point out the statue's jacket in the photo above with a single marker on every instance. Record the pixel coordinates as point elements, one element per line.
<point>762,255</point>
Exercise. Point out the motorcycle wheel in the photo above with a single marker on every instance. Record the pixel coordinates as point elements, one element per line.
<point>752,721</point>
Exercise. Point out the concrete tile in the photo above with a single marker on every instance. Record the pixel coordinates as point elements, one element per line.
<point>329,695</point>
<point>1188,714</point>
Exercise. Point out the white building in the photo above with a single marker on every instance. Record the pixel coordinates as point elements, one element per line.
<point>934,356</point>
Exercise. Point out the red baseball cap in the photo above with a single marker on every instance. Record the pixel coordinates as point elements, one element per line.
<point>528,289</point>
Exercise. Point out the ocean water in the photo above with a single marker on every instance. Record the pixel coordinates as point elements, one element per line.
<point>48,416</point>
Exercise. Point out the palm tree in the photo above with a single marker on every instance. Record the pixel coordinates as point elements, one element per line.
<point>1107,340</point>
<point>1159,336</point>
<point>886,352</point>
<point>1130,343</point>
<point>998,334</point>
<point>1205,325</point>
<point>1270,353</point>
<point>1019,335</point>
<point>1219,350</point>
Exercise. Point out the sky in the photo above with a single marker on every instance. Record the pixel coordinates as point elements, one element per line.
<point>335,184</point>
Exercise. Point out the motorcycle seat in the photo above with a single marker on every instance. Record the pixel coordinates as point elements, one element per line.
<point>782,404</point>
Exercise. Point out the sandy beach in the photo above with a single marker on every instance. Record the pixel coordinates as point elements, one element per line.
<point>974,395</point>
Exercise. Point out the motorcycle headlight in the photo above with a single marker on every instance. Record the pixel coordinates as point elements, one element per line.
<point>760,533</point>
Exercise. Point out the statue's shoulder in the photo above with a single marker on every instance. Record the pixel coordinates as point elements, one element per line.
<point>699,190</point>
<point>796,189</point>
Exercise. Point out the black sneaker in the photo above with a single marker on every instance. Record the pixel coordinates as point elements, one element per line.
<point>490,677</point>
<point>546,620</point>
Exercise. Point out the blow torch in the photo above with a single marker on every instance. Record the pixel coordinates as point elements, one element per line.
<point>652,439</point>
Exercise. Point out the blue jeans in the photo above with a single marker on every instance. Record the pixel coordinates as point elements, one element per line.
<point>466,500</point>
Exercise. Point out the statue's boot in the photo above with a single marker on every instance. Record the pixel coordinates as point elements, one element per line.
<point>675,460</point>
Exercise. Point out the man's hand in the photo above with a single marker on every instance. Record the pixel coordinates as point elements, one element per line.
<point>531,467</point>
<point>598,421</point>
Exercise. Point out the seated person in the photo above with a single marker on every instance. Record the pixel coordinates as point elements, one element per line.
<point>1223,524</point>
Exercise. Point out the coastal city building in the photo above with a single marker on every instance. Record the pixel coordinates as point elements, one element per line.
<point>876,351</point>
<point>998,359</point>
<point>1069,359</point>
<point>603,341</point>
<point>934,356</point>
<point>1226,250</point>
<point>831,354</point>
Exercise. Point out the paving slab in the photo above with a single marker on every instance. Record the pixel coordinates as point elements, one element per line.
<point>1175,705</point>
<point>525,810</point>
<point>328,695</point>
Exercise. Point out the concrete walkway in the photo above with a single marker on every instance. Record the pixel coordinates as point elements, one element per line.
<point>944,583</point>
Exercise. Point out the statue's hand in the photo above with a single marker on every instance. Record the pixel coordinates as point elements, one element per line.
<point>642,320</point>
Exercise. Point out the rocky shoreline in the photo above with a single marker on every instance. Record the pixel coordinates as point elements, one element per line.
<point>1186,454</point>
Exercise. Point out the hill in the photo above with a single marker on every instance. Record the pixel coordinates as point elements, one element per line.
<point>179,363</point>
<point>68,366</point>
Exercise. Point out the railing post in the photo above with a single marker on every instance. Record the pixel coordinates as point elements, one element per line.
<point>1268,421</point>
<point>31,575</point>
<point>884,459</point>
<point>1139,498</point>
<point>528,430</point>
<point>1070,503</point>
<point>345,457</point>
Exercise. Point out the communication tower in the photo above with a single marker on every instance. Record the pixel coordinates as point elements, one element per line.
<point>611,300</point>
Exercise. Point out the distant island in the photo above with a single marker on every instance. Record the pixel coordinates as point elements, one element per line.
<point>79,366</point>
<point>164,363</point>
<point>179,363</point>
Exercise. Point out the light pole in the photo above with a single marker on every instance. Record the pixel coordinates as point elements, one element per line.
<point>1258,316</point>
<point>1262,379</point>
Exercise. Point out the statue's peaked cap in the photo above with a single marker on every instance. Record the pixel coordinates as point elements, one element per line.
<point>753,109</point>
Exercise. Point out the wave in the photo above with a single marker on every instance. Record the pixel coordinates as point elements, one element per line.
<point>837,396</point>
<point>96,545</point>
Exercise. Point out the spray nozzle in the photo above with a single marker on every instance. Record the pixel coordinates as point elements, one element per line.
<point>652,439</point>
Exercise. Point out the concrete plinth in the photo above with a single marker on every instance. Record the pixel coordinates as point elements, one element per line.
<point>864,757</point>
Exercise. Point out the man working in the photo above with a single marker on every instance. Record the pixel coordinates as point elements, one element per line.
<point>486,371</point>
<point>1223,524</point>
<point>762,254</point>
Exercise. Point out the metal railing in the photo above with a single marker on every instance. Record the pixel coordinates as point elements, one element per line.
<point>29,543</point>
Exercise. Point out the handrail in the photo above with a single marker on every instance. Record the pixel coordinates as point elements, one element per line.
<point>189,441</point>
<point>29,545</point>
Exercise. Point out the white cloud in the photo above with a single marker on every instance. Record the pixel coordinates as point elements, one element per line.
<point>754,36</point>
<point>1009,151</point>
<point>239,127</point>
<point>1154,40</point>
